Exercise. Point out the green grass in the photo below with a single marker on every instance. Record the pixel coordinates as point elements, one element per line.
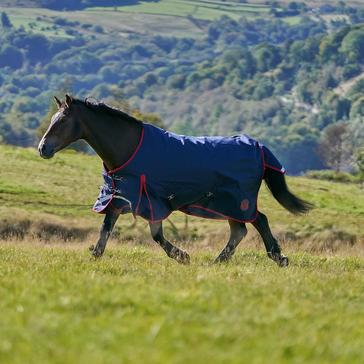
<point>137,306</point>
<point>163,17</point>
<point>201,9</point>
<point>27,18</point>
<point>111,21</point>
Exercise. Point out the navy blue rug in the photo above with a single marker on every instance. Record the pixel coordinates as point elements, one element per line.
<point>211,177</point>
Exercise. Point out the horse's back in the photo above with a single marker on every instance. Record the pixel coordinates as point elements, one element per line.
<point>171,152</point>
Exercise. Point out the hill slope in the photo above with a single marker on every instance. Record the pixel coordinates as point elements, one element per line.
<point>34,194</point>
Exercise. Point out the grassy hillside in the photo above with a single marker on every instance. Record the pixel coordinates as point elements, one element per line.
<point>42,21</point>
<point>38,196</point>
<point>202,9</point>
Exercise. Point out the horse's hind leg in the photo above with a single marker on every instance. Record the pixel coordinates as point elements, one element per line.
<point>172,251</point>
<point>271,244</point>
<point>237,232</point>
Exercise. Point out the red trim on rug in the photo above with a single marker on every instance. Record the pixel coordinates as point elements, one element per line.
<point>150,203</point>
<point>276,169</point>
<point>141,182</point>
<point>265,165</point>
<point>132,156</point>
<point>223,217</point>
<point>143,188</point>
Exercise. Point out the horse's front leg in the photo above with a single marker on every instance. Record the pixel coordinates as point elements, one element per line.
<point>172,251</point>
<point>105,232</point>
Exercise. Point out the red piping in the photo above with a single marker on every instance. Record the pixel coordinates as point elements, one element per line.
<point>143,187</point>
<point>276,169</point>
<point>150,203</point>
<point>141,183</point>
<point>223,217</point>
<point>131,158</point>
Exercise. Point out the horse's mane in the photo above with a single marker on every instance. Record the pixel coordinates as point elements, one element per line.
<point>99,106</point>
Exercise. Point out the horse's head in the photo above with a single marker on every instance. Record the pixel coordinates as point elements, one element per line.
<point>63,130</point>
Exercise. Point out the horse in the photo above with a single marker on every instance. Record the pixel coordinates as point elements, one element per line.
<point>151,172</point>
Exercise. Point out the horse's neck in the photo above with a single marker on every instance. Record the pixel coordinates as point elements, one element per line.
<point>112,138</point>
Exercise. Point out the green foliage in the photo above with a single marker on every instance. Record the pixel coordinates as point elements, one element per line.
<point>353,46</point>
<point>10,57</point>
<point>358,107</point>
<point>265,74</point>
<point>149,118</point>
<point>357,90</point>
<point>5,21</point>
<point>359,159</point>
<point>268,57</point>
<point>335,146</point>
<point>351,70</point>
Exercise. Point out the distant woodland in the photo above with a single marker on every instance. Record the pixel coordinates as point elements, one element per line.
<point>282,83</point>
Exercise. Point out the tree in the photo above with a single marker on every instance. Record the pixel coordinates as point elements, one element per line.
<point>360,162</point>
<point>11,57</point>
<point>151,118</point>
<point>358,107</point>
<point>334,147</point>
<point>267,56</point>
<point>5,21</point>
<point>117,99</point>
<point>353,45</point>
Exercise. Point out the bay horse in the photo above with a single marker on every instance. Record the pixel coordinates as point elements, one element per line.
<point>151,172</point>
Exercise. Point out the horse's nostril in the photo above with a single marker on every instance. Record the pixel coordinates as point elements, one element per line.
<point>42,148</point>
<point>45,151</point>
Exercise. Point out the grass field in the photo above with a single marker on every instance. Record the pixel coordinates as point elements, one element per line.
<point>58,305</point>
<point>42,20</point>
<point>135,306</point>
<point>172,17</point>
<point>199,9</point>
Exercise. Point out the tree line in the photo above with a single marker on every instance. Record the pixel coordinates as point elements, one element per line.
<point>274,81</point>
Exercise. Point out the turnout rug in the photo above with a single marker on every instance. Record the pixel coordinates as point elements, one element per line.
<point>211,177</point>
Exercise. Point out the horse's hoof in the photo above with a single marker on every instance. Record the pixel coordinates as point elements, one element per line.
<point>221,259</point>
<point>283,261</point>
<point>96,253</point>
<point>182,257</point>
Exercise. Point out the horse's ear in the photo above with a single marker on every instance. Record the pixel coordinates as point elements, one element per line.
<point>68,101</point>
<point>58,102</point>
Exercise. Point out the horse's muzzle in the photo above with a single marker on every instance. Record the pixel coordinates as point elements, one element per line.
<point>45,151</point>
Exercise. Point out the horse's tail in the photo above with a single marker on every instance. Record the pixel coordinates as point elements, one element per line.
<point>276,183</point>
